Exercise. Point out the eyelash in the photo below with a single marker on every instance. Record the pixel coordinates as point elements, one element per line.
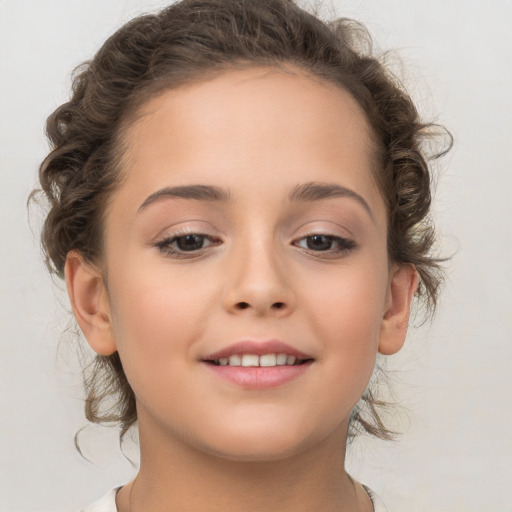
<point>166,245</point>
<point>344,245</point>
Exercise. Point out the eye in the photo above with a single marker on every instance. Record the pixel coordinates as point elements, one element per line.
<point>326,243</point>
<point>191,242</point>
<point>186,245</point>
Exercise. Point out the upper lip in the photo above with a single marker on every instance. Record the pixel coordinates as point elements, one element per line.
<point>258,348</point>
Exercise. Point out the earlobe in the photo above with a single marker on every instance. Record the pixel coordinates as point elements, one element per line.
<point>403,284</point>
<point>89,301</point>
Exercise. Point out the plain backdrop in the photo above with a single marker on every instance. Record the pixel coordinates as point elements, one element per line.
<point>454,377</point>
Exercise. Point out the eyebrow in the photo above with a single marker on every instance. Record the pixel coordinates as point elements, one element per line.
<point>315,191</point>
<point>198,192</point>
<point>312,191</point>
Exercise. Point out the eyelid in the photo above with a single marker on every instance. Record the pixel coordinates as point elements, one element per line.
<point>346,244</point>
<point>165,240</point>
<point>164,245</point>
<point>342,238</point>
<point>182,227</point>
<point>324,226</point>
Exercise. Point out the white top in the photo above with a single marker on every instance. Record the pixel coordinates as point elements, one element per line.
<point>108,502</point>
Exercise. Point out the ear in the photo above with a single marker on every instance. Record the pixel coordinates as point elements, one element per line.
<point>402,287</point>
<point>89,300</point>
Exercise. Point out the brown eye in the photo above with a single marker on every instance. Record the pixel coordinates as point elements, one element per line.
<point>331,244</point>
<point>188,245</point>
<point>191,242</point>
<point>319,242</point>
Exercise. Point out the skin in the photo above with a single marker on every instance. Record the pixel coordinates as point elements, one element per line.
<point>207,444</point>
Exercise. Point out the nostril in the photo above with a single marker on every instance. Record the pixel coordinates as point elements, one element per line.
<point>247,305</point>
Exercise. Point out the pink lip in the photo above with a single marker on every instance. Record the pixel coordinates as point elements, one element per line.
<point>258,377</point>
<point>257,348</point>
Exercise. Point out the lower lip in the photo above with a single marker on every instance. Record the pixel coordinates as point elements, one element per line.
<point>258,377</point>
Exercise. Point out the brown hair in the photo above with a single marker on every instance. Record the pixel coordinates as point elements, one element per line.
<point>183,43</point>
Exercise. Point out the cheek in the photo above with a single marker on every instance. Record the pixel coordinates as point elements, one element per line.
<point>353,297</point>
<point>156,319</point>
<point>347,319</point>
<point>347,314</point>
<point>152,301</point>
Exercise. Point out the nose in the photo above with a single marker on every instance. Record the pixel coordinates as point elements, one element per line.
<point>257,281</point>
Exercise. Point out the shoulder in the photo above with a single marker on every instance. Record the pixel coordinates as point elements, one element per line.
<point>106,504</point>
<point>378,506</point>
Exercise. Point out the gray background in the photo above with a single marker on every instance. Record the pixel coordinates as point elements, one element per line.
<point>454,377</point>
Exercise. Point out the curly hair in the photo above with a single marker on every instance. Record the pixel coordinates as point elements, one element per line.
<point>186,42</point>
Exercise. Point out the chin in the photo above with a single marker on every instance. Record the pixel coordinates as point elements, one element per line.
<point>262,443</point>
<point>255,452</point>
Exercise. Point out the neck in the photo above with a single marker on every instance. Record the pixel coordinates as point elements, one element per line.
<point>185,479</point>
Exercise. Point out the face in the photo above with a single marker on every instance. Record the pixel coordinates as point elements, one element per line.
<point>247,231</point>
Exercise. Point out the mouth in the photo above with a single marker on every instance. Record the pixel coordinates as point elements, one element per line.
<point>256,361</point>
<point>258,365</point>
<point>249,353</point>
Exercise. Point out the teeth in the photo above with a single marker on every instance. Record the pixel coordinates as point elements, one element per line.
<point>268,360</point>
<point>235,360</point>
<point>281,359</point>
<point>252,360</point>
<point>291,360</point>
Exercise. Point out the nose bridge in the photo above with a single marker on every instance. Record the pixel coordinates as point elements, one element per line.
<point>256,275</point>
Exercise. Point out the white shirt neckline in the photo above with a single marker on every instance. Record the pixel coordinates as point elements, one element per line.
<point>108,502</point>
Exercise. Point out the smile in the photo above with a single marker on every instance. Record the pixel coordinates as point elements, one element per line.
<point>254,360</point>
<point>258,364</point>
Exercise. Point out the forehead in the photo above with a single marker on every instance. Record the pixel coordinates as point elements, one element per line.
<point>268,95</point>
<point>245,124</point>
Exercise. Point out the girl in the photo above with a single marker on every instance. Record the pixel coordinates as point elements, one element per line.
<point>240,209</point>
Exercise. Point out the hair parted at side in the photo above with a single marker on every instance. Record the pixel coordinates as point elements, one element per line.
<point>186,42</point>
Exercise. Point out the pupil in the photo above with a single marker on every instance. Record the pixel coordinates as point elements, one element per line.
<point>319,242</point>
<point>190,242</point>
